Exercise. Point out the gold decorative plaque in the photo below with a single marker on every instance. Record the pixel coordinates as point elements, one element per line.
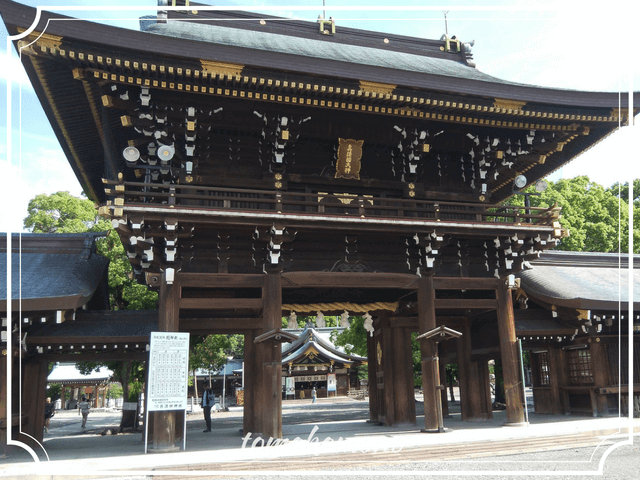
<point>379,354</point>
<point>349,155</point>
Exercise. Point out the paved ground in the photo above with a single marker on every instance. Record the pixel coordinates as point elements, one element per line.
<point>332,436</point>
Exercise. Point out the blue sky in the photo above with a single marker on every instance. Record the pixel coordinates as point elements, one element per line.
<point>574,45</point>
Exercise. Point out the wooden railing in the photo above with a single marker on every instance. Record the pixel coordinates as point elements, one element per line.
<point>339,204</point>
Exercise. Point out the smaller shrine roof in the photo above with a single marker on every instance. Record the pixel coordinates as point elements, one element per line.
<point>67,373</point>
<point>52,271</point>
<point>582,280</point>
<point>310,340</point>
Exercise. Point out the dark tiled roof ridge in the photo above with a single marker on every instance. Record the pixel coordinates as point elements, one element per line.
<point>586,259</point>
<point>315,48</point>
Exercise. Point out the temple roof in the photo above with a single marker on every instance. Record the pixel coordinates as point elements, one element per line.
<point>321,49</point>
<point>311,344</point>
<point>582,280</point>
<point>53,271</point>
<point>421,80</point>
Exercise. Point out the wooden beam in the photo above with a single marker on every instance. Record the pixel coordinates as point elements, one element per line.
<point>454,283</point>
<point>220,303</point>
<point>214,324</point>
<point>93,356</point>
<point>349,280</point>
<point>467,303</point>
<point>86,341</point>
<point>220,280</point>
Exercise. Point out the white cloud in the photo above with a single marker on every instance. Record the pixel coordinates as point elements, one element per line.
<point>13,70</point>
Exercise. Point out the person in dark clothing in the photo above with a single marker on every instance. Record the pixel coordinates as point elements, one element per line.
<point>49,411</point>
<point>208,401</point>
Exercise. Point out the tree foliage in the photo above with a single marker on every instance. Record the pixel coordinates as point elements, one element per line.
<point>597,219</point>
<point>64,213</point>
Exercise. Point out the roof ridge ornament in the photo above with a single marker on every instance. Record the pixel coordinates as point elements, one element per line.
<point>331,24</point>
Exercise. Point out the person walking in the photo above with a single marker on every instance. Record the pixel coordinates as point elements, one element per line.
<point>208,401</point>
<point>49,411</point>
<point>314,395</point>
<point>84,408</point>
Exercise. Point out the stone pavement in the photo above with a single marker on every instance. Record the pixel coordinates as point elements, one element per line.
<point>70,448</point>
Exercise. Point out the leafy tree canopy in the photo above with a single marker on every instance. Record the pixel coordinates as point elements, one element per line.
<point>594,215</point>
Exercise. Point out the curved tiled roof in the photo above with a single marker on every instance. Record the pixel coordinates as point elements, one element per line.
<point>52,271</point>
<point>581,280</point>
<point>307,47</point>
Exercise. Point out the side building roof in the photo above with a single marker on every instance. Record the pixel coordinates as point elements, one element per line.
<point>582,280</point>
<point>53,271</point>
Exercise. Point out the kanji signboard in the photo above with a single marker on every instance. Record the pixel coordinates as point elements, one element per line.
<point>168,366</point>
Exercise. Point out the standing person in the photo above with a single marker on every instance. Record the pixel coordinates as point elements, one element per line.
<point>49,411</point>
<point>84,408</point>
<point>314,395</point>
<point>208,400</point>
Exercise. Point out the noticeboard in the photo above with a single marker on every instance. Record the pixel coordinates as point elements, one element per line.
<point>331,382</point>
<point>168,368</point>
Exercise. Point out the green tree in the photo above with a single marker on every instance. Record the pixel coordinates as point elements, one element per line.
<point>354,338</point>
<point>64,213</point>
<point>210,352</point>
<point>589,211</point>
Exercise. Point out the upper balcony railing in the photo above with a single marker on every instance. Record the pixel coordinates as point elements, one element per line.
<point>325,204</point>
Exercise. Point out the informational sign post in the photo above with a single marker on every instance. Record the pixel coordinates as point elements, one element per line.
<point>331,382</point>
<point>168,376</point>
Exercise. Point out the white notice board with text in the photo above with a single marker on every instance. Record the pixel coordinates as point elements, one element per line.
<point>168,368</point>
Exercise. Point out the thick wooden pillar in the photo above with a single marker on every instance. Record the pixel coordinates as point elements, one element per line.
<point>484,383</point>
<point>429,354</point>
<point>34,398</point>
<point>164,423</point>
<point>403,388</point>
<point>267,400</point>
<point>250,379</point>
<point>5,416</point>
<point>464,366</point>
<point>600,372</point>
<point>443,393</point>
<point>372,378</point>
<point>387,368</point>
<point>557,380</point>
<point>510,357</point>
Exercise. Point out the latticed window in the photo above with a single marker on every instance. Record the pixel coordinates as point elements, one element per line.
<point>580,367</point>
<point>542,359</point>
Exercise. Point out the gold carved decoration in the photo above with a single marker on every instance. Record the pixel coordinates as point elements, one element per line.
<point>373,87</point>
<point>349,155</point>
<point>44,40</point>
<point>508,104</point>
<point>379,354</point>
<point>220,68</point>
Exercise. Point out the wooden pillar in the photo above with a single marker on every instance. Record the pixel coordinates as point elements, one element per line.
<point>557,380</point>
<point>600,372</point>
<point>463,352</point>
<point>164,423</point>
<point>484,383</point>
<point>510,357</point>
<point>429,352</point>
<point>5,416</point>
<point>443,393</point>
<point>34,398</point>
<point>63,406</point>
<point>267,399</point>
<point>373,380</point>
<point>250,379</point>
<point>403,388</point>
<point>387,368</point>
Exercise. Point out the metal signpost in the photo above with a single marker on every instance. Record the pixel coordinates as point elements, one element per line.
<point>167,380</point>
